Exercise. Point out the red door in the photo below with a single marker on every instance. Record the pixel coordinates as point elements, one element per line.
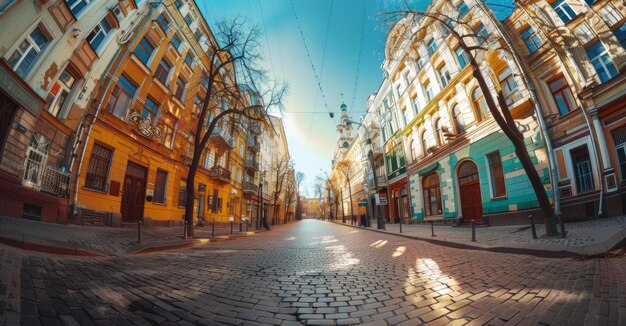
<point>471,201</point>
<point>133,193</point>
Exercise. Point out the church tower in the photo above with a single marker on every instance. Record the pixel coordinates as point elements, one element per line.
<point>344,131</point>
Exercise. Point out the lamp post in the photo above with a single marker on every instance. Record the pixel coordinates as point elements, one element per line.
<point>370,156</point>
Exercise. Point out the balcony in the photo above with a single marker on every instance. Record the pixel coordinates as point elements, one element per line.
<point>382,182</point>
<point>220,174</point>
<point>255,127</point>
<point>46,179</point>
<point>253,145</point>
<point>252,164</point>
<point>250,188</point>
<point>377,150</point>
<point>221,137</point>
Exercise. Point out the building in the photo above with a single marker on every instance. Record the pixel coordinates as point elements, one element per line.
<point>446,157</point>
<point>575,57</point>
<point>54,54</point>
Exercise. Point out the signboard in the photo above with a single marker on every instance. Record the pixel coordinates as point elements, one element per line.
<point>381,199</point>
<point>201,187</point>
<point>231,219</point>
<point>150,192</point>
<point>363,202</point>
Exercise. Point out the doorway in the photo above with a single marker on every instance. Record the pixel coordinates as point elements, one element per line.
<point>469,184</point>
<point>133,193</point>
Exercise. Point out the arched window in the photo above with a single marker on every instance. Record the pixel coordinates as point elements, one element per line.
<point>439,135</point>
<point>432,195</point>
<point>459,120</point>
<point>424,143</point>
<point>480,105</point>
<point>413,150</point>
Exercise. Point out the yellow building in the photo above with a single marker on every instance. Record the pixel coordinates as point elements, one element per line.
<point>138,148</point>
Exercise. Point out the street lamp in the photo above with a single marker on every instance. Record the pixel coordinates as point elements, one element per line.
<point>370,156</point>
<point>261,221</point>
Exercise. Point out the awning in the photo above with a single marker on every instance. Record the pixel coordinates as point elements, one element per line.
<point>428,168</point>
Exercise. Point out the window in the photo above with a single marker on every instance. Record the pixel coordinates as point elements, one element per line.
<point>76,6</point>
<point>562,95</point>
<point>59,93</point>
<point>565,12</point>
<point>461,57</point>
<point>169,130</point>
<point>583,170</point>
<point>428,90</point>
<point>163,22</point>
<point>425,146</point>
<point>144,50</point>
<point>180,88</point>
<point>462,9</point>
<point>162,72</point>
<point>620,33</point>
<point>584,33</point>
<point>498,188</point>
<point>432,195</point>
<point>119,14</point>
<point>419,64</point>
<point>406,117</point>
<point>150,109</point>
<point>413,150</point>
<point>416,104</point>
<point>98,34</point>
<point>405,77</point>
<point>590,2</point>
<point>36,158</point>
<point>176,41</point>
<point>178,3</point>
<point>198,34</point>
<point>610,15</point>
<point>439,132</point>
<point>189,59</point>
<point>601,61</point>
<point>531,39</point>
<point>619,139</point>
<point>481,33</point>
<point>98,169</point>
<point>182,193</point>
<point>121,97</point>
<point>432,47</point>
<point>508,84</point>
<point>459,120</point>
<point>480,105</point>
<point>27,53</point>
<point>444,75</point>
<point>188,19</point>
<point>160,186</point>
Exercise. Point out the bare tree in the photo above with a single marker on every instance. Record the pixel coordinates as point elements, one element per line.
<point>318,190</point>
<point>299,179</point>
<point>456,26</point>
<point>345,168</point>
<point>278,170</point>
<point>290,192</point>
<point>236,45</point>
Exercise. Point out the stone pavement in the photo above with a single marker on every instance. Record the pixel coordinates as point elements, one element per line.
<point>111,241</point>
<point>312,273</point>
<point>583,238</point>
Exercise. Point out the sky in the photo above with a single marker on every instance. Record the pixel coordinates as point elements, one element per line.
<point>344,51</point>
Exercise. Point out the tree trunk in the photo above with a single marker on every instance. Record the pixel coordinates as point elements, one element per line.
<point>190,189</point>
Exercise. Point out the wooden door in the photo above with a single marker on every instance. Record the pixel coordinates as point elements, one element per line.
<point>7,110</point>
<point>471,200</point>
<point>133,193</point>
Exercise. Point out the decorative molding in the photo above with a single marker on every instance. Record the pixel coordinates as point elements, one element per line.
<point>145,125</point>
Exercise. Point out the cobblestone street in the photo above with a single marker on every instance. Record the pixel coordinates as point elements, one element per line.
<point>312,273</point>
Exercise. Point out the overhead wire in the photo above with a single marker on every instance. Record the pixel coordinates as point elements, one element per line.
<point>358,61</point>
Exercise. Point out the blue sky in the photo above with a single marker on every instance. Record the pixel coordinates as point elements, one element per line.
<point>335,32</point>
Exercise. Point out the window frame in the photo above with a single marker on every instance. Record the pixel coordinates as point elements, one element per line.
<point>600,59</point>
<point>496,175</point>
<point>160,188</point>
<point>142,48</point>
<point>531,39</point>
<point>162,67</point>
<point>56,104</point>
<point>99,160</point>
<point>564,10</point>
<point>113,104</point>
<point>562,90</point>
<point>39,49</point>
<point>105,28</point>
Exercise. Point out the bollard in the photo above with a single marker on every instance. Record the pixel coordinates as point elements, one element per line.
<point>400,225</point>
<point>240,226</point>
<point>231,227</point>
<point>473,231</point>
<point>562,226</point>
<point>185,229</point>
<point>138,231</point>
<point>532,226</point>
<point>213,229</point>
<point>432,229</point>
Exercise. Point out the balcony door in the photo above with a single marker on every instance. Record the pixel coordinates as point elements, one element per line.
<point>133,197</point>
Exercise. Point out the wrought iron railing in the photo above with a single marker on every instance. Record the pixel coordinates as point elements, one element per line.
<point>223,134</point>
<point>249,186</point>
<point>46,179</point>
<point>252,164</point>
<point>218,172</point>
<point>255,127</point>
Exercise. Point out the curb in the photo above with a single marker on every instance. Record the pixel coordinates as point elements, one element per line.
<point>32,246</point>
<point>505,250</point>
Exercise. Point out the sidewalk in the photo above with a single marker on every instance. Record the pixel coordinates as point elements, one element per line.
<point>582,238</point>
<point>106,241</point>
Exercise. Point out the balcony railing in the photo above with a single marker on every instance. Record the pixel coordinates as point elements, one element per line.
<point>377,150</point>
<point>46,179</point>
<point>253,145</point>
<point>219,173</point>
<point>252,164</point>
<point>222,137</point>
<point>255,128</point>
<point>250,187</point>
<point>382,182</point>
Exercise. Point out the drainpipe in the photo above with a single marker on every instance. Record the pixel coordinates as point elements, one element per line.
<point>148,15</point>
<point>580,102</point>
<point>530,85</point>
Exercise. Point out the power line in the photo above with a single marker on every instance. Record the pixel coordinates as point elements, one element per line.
<point>317,94</point>
<point>358,61</point>
<point>319,84</point>
<point>267,42</point>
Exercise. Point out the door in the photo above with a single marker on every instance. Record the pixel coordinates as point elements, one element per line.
<point>200,210</point>
<point>471,201</point>
<point>133,193</point>
<point>7,110</point>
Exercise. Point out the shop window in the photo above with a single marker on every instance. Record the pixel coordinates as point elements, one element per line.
<point>432,195</point>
